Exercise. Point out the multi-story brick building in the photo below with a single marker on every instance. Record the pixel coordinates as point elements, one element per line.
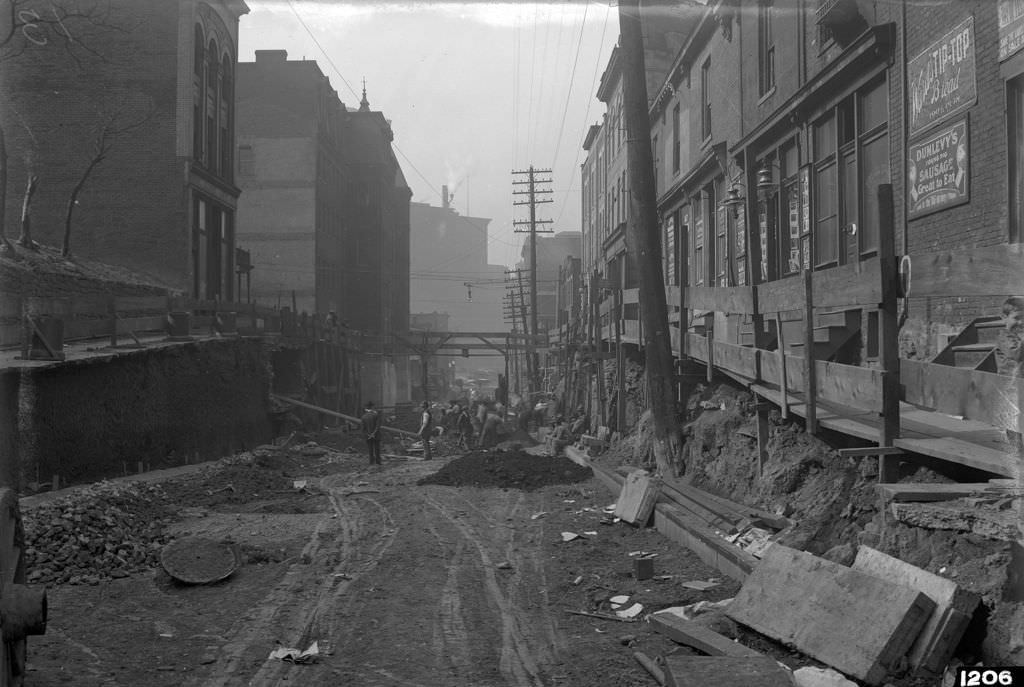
<point>292,173</point>
<point>151,86</point>
<point>552,252</point>
<point>325,207</point>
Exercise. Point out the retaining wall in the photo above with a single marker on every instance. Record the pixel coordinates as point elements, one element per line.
<point>99,417</point>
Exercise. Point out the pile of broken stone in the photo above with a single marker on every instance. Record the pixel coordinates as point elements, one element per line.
<point>103,532</point>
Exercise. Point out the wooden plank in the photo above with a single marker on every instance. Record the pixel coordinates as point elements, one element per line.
<point>690,532</point>
<point>979,271</point>
<point>725,522</point>
<point>851,620</point>
<point>870,451</point>
<point>964,453</point>
<point>984,396</point>
<point>695,346</point>
<point>852,285</point>
<point>931,492</point>
<point>637,498</point>
<point>739,359</point>
<point>810,369</point>
<point>728,509</point>
<point>725,299</point>
<point>725,671</point>
<point>850,385</point>
<point>672,295</point>
<point>88,304</point>
<point>688,633</point>
<point>933,646</point>
<point>781,295</point>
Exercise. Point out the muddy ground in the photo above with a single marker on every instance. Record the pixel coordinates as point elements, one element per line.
<point>404,584</point>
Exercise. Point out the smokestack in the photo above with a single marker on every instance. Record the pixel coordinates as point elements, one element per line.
<point>444,197</point>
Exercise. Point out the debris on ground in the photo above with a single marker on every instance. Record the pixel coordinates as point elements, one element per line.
<point>102,532</point>
<point>508,469</point>
<point>291,655</point>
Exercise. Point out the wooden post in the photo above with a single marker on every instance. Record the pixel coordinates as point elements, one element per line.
<point>644,231</point>
<point>810,368</point>
<point>762,436</point>
<point>783,376</point>
<point>620,367</point>
<point>710,336</point>
<point>888,333</point>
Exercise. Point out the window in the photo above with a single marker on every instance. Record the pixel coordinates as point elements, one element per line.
<point>1015,148</point>
<point>675,139</point>
<point>699,208</point>
<point>851,159</point>
<point>211,99</point>
<point>669,243</point>
<point>765,47</point>
<point>226,100</point>
<point>705,99</point>
<point>656,161</point>
<point>198,89</point>
<point>721,218</point>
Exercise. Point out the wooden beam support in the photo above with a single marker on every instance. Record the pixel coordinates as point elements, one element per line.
<point>810,366</point>
<point>870,451</point>
<point>888,332</point>
<point>783,377</point>
<point>762,437</point>
<point>687,633</point>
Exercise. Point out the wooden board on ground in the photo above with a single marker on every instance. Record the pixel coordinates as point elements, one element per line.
<point>853,621</point>
<point>691,634</point>
<point>725,671</point>
<point>930,492</point>
<point>936,642</point>
<point>637,498</point>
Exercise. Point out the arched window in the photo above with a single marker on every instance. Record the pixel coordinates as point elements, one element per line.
<point>198,71</point>
<point>227,97</point>
<point>212,85</point>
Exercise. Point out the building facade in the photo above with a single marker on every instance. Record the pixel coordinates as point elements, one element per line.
<point>552,252</point>
<point>292,172</point>
<point>147,88</point>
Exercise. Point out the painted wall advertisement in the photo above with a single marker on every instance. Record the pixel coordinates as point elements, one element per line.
<point>938,170</point>
<point>942,78</point>
<point>1011,27</point>
<point>804,180</point>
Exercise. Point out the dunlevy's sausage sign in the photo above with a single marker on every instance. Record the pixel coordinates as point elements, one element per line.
<point>938,170</point>
<point>942,80</point>
<point>1011,27</point>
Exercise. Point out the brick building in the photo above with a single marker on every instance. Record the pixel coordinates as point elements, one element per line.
<point>552,252</point>
<point>325,209</point>
<point>293,176</point>
<point>156,80</point>
<point>775,126</point>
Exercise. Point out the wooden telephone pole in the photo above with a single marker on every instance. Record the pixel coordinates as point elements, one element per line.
<point>533,192</point>
<point>643,227</point>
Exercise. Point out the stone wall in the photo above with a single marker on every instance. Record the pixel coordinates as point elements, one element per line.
<point>96,418</point>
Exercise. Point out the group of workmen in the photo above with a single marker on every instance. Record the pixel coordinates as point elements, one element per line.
<point>480,421</point>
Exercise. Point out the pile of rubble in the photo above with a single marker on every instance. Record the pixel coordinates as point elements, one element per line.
<point>100,533</point>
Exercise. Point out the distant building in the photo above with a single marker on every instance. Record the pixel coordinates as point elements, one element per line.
<point>449,267</point>
<point>325,211</point>
<point>156,77</point>
<point>552,252</point>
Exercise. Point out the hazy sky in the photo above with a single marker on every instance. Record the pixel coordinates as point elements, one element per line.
<point>473,90</point>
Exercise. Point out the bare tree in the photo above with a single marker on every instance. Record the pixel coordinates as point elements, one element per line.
<point>106,132</point>
<point>76,26</point>
<point>26,212</point>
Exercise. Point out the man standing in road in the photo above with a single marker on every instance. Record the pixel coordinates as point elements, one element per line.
<point>426,429</point>
<point>371,430</point>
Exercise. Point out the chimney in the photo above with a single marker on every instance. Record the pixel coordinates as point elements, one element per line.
<point>271,55</point>
<point>444,197</point>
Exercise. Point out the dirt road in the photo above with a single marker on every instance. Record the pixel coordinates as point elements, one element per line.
<point>404,584</point>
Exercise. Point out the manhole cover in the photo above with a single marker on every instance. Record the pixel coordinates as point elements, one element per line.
<point>195,560</point>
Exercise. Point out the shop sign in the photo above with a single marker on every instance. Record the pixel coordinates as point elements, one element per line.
<point>942,78</point>
<point>1011,27</point>
<point>938,170</point>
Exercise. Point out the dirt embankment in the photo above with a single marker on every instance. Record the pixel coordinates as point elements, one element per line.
<point>836,507</point>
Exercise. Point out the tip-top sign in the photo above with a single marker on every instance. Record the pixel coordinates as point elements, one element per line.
<point>942,78</point>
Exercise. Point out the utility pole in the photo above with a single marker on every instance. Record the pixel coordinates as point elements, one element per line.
<point>533,192</point>
<point>643,226</point>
